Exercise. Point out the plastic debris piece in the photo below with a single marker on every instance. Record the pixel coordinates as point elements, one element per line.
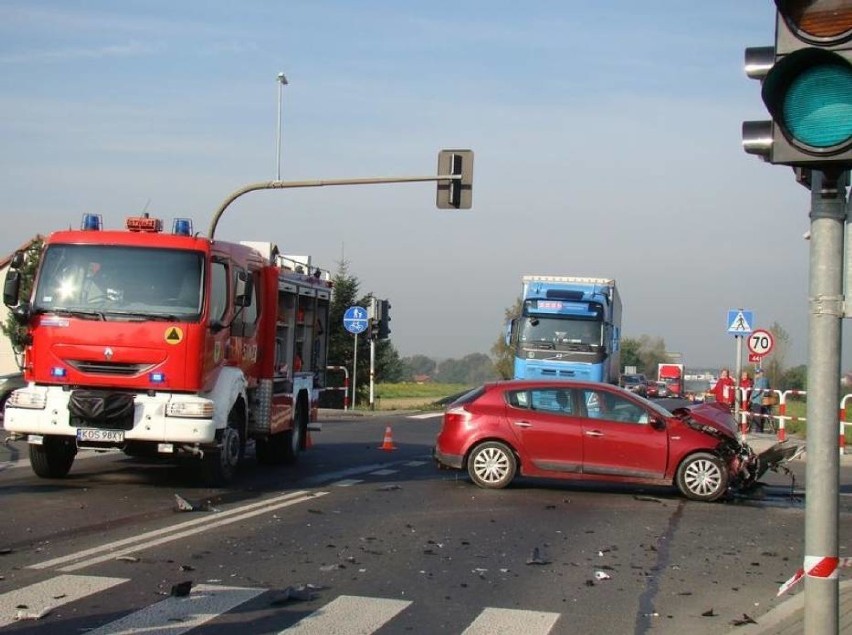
<point>127,559</point>
<point>181,589</point>
<point>300,593</point>
<point>746,619</point>
<point>26,614</point>
<point>537,557</point>
<point>185,505</point>
<point>602,575</point>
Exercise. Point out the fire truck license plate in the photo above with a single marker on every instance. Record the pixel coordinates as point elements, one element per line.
<point>95,434</point>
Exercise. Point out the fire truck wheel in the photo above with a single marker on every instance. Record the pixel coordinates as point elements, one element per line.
<point>293,438</point>
<point>54,458</point>
<point>220,465</point>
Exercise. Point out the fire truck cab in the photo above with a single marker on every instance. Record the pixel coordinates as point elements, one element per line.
<point>168,345</point>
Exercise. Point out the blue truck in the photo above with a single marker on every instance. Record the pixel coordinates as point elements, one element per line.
<point>569,328</point>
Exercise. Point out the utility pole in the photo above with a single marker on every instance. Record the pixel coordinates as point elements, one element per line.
<point>282,82</point>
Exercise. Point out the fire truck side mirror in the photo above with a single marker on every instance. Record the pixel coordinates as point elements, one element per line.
<point>245,286</point>
<point>12,288</point>
<point>17,260</point>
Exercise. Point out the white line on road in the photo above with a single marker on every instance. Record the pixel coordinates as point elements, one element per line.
<point>349,615</point>
<point>427,415</point>
<point>383,472</point>
<point>203,524</point>
<point>174,615</point>
<point>347,482</point>
<point>510,621</point>
<point>42,597</point>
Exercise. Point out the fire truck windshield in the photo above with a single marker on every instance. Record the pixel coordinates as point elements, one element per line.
<point>114,282</point>
<point>559,333</point>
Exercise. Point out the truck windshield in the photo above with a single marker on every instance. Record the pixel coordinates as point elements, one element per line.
<point>560,333</point>
<point>118,282</point>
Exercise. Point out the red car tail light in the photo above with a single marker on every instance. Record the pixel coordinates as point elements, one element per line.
<point>456,418</point>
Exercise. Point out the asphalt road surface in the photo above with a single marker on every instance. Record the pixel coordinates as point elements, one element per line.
<point>356,539</point>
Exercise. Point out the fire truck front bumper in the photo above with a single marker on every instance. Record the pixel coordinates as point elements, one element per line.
<point>160,417</point>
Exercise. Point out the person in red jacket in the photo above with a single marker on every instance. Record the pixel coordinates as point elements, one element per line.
<point>725,390</point>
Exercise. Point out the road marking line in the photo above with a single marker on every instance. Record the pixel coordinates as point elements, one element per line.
<point>415,463</point>
<point>383,472</point>
<point>191,532</point>
<point>174,616</point>
<point>158,532</point>
<point>51,594</point>
<point>493,621</point>
<point>427,415</point>
<point>347,482</point>
<point>349,614</point>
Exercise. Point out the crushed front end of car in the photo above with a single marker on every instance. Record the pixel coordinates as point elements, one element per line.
<point>745,466</point>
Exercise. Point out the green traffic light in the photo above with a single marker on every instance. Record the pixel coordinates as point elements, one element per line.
<point>817,107</point>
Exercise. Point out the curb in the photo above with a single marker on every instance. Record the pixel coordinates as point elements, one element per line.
<point>789,616</point>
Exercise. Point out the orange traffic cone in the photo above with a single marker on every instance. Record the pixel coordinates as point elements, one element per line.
<point>387,443</point>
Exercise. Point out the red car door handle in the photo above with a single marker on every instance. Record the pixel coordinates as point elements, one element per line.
<point>523,424</point>
<point>594,433</point>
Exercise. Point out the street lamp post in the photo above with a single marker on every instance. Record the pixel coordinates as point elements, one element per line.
<point>282,82</point>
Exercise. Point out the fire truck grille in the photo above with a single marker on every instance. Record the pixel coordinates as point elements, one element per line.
<point>109,368</point>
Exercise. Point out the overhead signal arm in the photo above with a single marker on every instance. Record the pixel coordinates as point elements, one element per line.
<point>456,182</point>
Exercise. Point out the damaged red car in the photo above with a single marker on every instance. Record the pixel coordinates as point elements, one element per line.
<point>594,431</point>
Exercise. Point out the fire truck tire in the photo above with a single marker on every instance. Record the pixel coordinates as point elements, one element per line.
<point>220,465</point>
<point>294,438</point>
<point>54,458</point>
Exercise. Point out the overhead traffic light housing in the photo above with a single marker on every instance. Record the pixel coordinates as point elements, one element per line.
<point>807,87</point>
<point>456,193</point>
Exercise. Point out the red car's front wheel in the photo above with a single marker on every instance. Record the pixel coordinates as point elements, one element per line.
<point>702,477</point>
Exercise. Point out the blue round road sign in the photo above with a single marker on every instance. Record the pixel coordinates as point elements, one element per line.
<point>355,319</point>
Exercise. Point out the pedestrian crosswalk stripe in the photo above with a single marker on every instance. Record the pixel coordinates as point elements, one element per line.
<point>48,595</point>
<point>349,615</point>
<point>345,615</point>
<point>174,615</point>
<point>494,621</point>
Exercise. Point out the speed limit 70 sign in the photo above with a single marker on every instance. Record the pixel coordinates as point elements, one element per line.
<point>760,342</point>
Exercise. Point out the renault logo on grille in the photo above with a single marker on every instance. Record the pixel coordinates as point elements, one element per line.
<point>108,352</point>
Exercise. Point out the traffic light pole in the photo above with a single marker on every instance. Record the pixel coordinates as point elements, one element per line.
<point>828,214</point>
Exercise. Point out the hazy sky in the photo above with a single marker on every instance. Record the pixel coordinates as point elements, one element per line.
<point>607,144</point>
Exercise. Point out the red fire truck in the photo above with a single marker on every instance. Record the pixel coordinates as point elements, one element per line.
<point>168,345</point>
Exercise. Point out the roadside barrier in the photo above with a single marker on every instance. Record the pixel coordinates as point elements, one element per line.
<point>344,387</point>
<point>782,417</point>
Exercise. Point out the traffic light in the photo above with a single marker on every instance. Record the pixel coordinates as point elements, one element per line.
<point>455,193</point>
<point>807,87</point>
<point>384,319</point>
<point>373,330</point>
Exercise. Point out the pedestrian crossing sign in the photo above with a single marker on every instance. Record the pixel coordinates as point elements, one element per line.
<point>740,321</point>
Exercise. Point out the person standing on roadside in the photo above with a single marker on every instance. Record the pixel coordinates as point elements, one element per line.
<point>759,411</point>
<point>725,391</point>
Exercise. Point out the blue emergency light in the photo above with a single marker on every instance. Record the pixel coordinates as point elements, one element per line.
<point>92,222</point>
<point>182,227</point>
